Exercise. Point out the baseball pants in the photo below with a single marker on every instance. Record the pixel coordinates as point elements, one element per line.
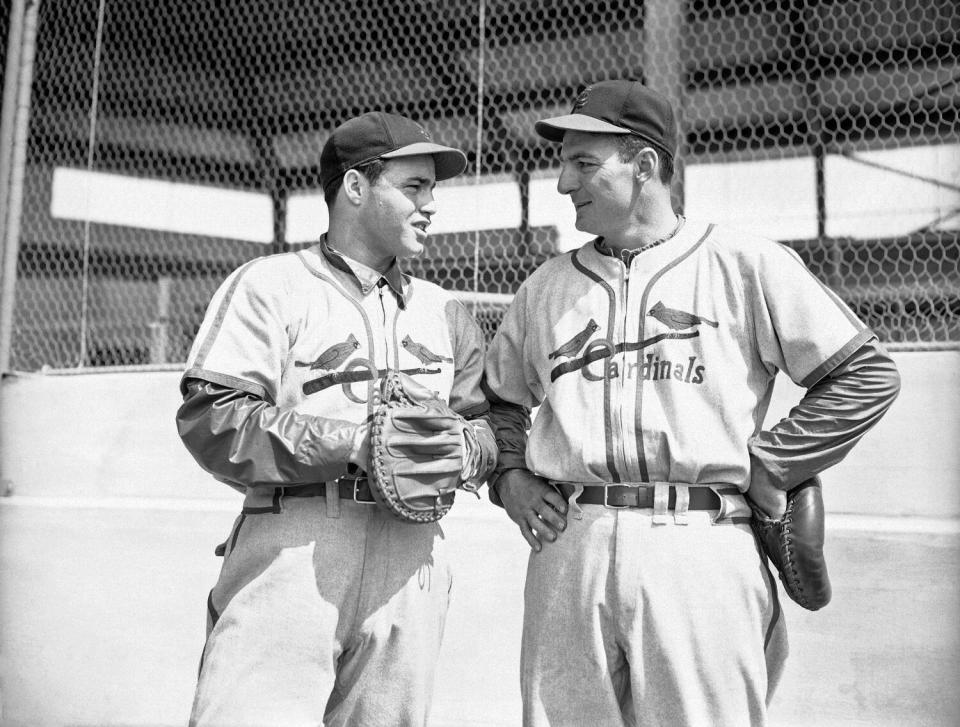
<point>324,618</point>
<point>667,625</point>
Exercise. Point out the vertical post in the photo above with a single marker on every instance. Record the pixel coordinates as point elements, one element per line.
<point>819,163</point>
<point>18,162</point>
<point>261,139</point>
<point>663,71</point>
<point>160,326</point>
<point>278,199</point>
<point>817,141</point>
<point>478,152</point>
<point>8,110</point>
<point>526,235</point>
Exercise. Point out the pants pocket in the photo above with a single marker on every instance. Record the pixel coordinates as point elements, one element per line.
<point>230,543</point>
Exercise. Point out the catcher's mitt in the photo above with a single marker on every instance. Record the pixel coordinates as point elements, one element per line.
<point>418,448</point>
<point>794,545</point>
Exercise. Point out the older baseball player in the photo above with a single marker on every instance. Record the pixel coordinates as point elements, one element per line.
<point>327,610</point>
<point>651,353</point>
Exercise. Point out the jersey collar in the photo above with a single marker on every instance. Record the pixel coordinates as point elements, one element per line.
<point>365,276</point>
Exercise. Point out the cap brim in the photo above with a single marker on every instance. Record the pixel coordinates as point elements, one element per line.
<point>554,129</point>
<point>448,162</point>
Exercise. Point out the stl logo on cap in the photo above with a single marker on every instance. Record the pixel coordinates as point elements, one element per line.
<point>423,132</point>
<point>581,99</point>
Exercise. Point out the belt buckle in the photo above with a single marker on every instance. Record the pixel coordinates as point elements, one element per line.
<point>355,490</point>
<point>606,496</point>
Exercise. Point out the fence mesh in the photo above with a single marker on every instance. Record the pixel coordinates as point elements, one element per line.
<point>169,141</point>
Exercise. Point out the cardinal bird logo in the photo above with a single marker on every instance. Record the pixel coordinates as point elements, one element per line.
<point>333,356</point>
<point>677,320</point>
<point>423,353</point>
<point>571,347</point>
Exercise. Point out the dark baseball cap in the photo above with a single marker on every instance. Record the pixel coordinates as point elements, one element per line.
<point>618,107</point>
<point>379,135</point>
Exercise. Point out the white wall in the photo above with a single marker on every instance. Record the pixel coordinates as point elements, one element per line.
<point>113,435</point>
<point>909,464</point>
<point>134,572</point>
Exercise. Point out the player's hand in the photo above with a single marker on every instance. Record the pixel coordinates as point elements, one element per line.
<point>534,505</point>
<point>766,496</point>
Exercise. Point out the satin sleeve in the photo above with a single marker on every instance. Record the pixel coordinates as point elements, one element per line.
<point>246,442</point>
<point>831,417</point>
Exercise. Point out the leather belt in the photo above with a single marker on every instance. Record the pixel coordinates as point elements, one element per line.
<point>349,488</point>
<point>624,496</point>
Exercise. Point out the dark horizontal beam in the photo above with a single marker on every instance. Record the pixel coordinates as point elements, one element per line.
<point>58,150</point>
<point>48,260</point>
<point>839,126</point>
<point>801,64</point>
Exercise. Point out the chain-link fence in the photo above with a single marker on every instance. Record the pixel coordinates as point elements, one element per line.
<point>154,145</point>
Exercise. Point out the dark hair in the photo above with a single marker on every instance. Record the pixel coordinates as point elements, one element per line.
<point>371,170</point>
<point>631,145</point>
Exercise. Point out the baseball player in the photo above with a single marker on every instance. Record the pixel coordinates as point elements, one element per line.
<point>651,353</point>
<point>328,610</point>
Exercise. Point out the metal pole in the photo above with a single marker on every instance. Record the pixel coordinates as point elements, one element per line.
<point>663,71</point>
<point>160,326</point>
<point>8,112</point>
<point>278,200</point>
<point>18,163</point>
<point>478,167</point>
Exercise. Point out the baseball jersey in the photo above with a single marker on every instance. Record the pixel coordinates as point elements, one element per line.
<point>663,370</point>
<point>303,333</point>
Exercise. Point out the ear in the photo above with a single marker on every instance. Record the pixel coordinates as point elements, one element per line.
<point>647,164</point>
<point>354,186</point>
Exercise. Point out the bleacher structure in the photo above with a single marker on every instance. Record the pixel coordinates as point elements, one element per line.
<point>242,95</point>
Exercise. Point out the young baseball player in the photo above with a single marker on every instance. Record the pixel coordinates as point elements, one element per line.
<point>328,610</point>
<point>651,353</point>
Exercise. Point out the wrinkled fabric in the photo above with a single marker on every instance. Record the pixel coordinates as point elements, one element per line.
<point>326,610</point>
<point>831,417</point>
<point>246,442</point>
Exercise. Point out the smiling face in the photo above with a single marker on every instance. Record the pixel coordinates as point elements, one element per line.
<point>603,188</point>
<point>397,210</point>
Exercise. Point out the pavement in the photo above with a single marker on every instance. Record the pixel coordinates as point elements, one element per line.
<point>102,608</point>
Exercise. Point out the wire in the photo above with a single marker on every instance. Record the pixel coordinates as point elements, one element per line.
<point>901,172</point>
<point>479,149</point>
<point>937,221</point>
<point>91,140</point>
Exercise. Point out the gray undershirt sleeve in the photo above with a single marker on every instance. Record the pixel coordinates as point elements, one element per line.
<point>829,420</point>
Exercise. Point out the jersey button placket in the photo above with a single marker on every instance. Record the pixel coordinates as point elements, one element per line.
<point>631,320</point>
<point>619,385</point>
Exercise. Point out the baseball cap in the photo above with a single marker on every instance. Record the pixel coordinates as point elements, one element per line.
<point>618,107</point>
<point>379,135</point>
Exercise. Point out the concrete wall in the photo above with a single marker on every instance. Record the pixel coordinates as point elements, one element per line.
<point>103,592</point>
<point>113,435</point>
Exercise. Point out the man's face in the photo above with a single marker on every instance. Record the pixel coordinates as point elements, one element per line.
<point>601,186</point>
<point>399,208</point>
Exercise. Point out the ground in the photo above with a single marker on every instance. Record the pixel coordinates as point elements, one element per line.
<point>102,608</point>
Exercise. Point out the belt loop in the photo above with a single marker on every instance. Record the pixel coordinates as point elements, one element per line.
<point>682,504</point>
<point>722,512</point>
<point>333,498</point>
<point>278,493</point>
<point>574,507</point>
<point>661,500</point>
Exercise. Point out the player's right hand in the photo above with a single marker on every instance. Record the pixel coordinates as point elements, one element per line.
<point>534,505</point>
<point>360,452</point>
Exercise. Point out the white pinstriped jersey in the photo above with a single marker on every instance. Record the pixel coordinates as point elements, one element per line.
<point>663,371</point>
<point>300,333</point>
